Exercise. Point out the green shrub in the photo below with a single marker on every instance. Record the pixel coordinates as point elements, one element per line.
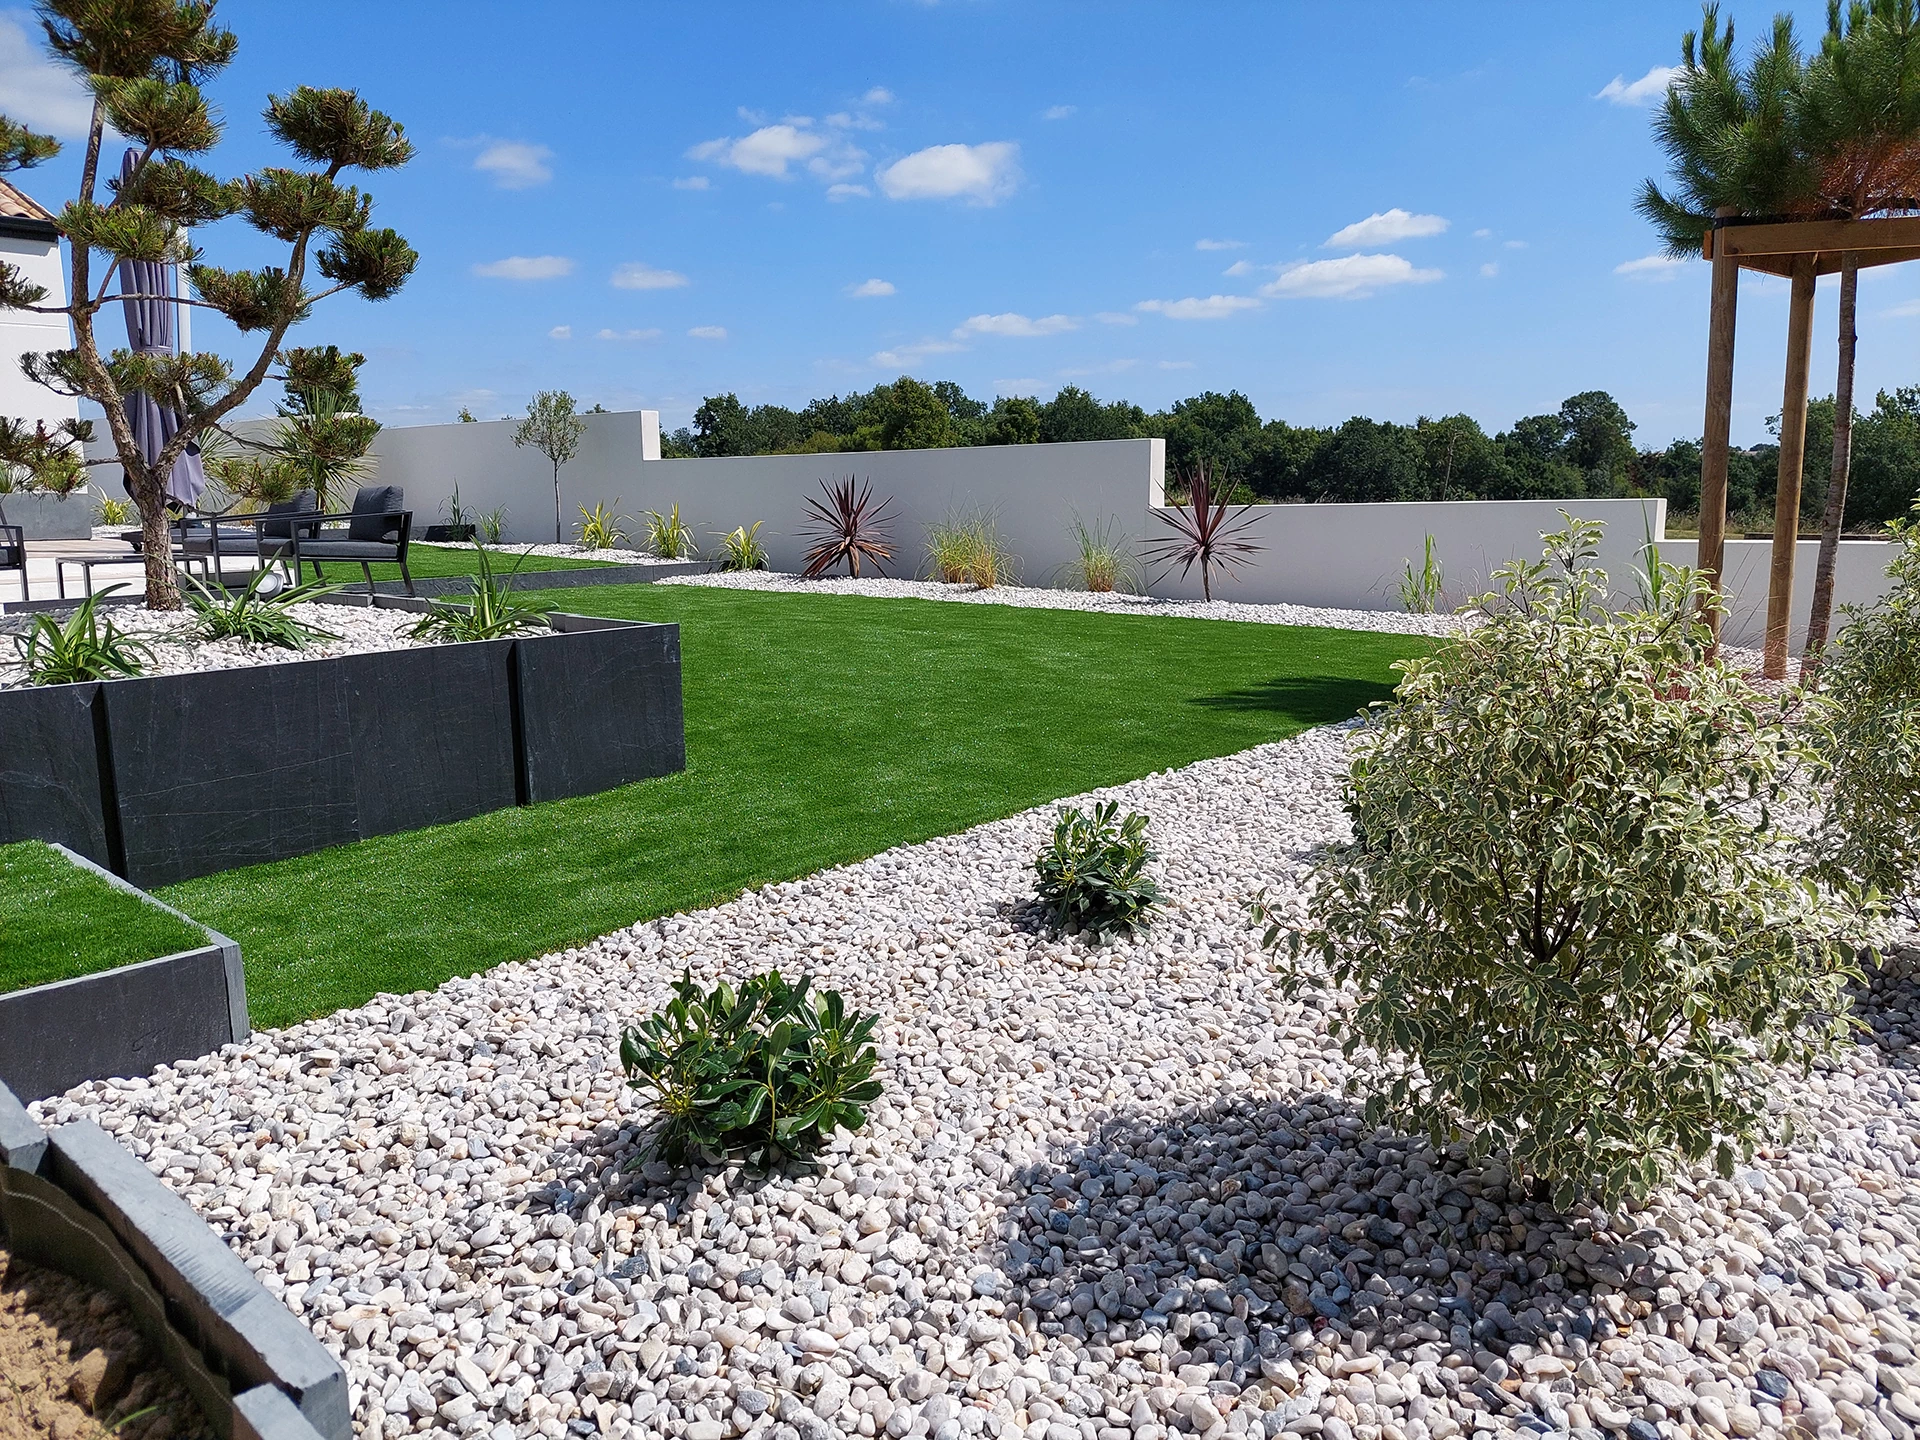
<point>740,549</point>
<point>491,612</point>
<point>115,511</point>
<point>1093,874</point>
<point>600,527</point>
<point>1576,934</point>
<point>1868,720</point>
<point>966,549</point>
<point>760,1074</point>
<point>1104,563</point>
<point>493,524</point>
<point>87,647</point>
<point>668,537</point>
<point>1420,590</point>
<point>256,618</point>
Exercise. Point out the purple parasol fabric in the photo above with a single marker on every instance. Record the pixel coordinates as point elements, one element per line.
<point>150,331</point>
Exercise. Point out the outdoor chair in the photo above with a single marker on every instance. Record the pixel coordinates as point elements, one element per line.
<point>13,553</point>
<point>377,531</point>
<point>264,537</point>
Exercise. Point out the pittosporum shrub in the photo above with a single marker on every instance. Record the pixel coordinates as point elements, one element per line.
<point>1093,874</point>
<point>1867,717</point>
<point>1576,932</point>
<point>760,1074</point>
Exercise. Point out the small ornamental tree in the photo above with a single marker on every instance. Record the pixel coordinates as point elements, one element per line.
<point>144,62</point>
<point>553,429</point>
<point>1576,932</point>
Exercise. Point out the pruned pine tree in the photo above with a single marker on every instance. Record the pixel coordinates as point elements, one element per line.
<point>145,62</point>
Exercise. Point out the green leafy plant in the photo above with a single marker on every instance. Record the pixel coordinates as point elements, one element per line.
<point>740,549</point>
<point>1420,592</point>
<point>1104,563</point>
<point>1576,932</point>
<point>600,527</point>
<point>493,524</point>
<point>115,512</point>
<point>490,613</point>
<point>1867,718</point>
<point>258,615</point>
<point>760,1074</point>
<point>668,536</point>
<point>459,517</point>
<point>88,647</point>
<point>966,549</point>
<point>846,530</point>
<point>1093,874</point>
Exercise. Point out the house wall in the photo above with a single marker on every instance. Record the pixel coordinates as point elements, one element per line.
<point>22,331</point>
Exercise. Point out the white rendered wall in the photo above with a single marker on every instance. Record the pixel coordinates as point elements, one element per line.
<point>22,332</point>
<point>1859,578</point>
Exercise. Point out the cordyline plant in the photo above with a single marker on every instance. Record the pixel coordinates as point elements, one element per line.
<point>144,62</point>
<point>762,1074</point>
<point>846,530</point>
<point>1577,935</point>
<point>1208,532</point>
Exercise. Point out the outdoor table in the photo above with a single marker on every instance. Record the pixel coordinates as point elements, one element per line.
<point>87,562</point>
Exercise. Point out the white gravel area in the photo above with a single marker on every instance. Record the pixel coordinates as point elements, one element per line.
<point>1109,1194</point>
<point>1392,621</point>
<point>620,555</point>
<point>178,647</point>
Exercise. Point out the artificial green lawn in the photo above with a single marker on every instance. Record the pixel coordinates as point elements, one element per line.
<point>58,921</point>
<point>820,729</point>
<point>436,560</point>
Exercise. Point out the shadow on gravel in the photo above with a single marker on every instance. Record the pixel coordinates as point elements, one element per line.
<point>1216,1235</point>
<point>1889,1003</point>
<point>1316,699</point>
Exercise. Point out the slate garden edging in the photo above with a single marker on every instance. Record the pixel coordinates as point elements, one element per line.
<point>123,1021</point>
<point>163,778</point>
<point>74,1201</point>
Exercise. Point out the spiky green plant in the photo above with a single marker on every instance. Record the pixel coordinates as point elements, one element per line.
<point>668,536</point>
<point>600,527</point>
<point>87,647</point>
<point>1420,591</point>
<point>257,615</point>
<point>490,613</point>
<point>740,549</point>
<point>1105,563</point>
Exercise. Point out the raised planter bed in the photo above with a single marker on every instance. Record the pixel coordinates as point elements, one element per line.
<point>124,1020</point>
<point>163,778</point>
<point>72,1200</point>
<point>50,517</point>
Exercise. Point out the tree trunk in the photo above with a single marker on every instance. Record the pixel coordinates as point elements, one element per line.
<point>1836,512</point>
<point>1793,454</point>
<point>1718,426</point>
<point>156,542</point>
<point>556,504</point>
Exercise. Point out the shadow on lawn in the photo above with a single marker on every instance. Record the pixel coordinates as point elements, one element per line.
<point>1317,699</point>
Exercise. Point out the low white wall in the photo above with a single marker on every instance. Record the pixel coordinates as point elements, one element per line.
<point>1859,578</point>
<point>1353,557</point>
<point>23,331</point>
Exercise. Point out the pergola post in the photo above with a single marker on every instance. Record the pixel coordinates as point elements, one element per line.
<point>1793,446</point>
<point>1719,420</point>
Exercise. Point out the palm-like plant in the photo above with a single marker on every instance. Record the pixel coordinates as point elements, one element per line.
<point>846,530</point>
<point>1207,531</point>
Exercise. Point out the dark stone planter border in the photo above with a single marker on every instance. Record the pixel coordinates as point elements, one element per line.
<point>75,1202</point>
<point>123,1021</point>
<point>167,777</point>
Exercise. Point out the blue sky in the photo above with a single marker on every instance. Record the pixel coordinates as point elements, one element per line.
<point>1380,210</point>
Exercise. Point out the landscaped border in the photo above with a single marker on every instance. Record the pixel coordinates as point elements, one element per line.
<point>73,1200</point>
<point>126,1020</point>
<point>163,778</point>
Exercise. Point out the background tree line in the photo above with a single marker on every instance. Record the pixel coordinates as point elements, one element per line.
<point>1584,449</point>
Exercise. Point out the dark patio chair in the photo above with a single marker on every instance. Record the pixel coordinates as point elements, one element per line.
<point>13,553</point>
<point>377,531</point>
<point>264,536</point>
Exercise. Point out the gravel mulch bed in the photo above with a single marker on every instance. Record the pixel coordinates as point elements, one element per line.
<point>72,1367</point>
<point>1110,1193</point>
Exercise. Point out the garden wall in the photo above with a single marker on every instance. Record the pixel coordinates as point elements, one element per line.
<point>1860,578</point>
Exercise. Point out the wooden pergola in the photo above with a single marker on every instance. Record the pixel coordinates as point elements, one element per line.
<point>1800,251</point>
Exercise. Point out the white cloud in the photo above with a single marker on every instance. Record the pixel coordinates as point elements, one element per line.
<point>560,332</point>
<point>1351,277</point>
<point>904,355</point>
<point>1116,317</point>
<point>870,289</point>
<point>515,164</point>
<point>635,275</point>
<point>1489,270</point>
<point>691,182</point>
<point>1649,88</point>
<point>1906,308</point>
<point>1650,267</point>
<point>1514,244</point>
<point>1058,112</point>
<point>1483,234</point>
<point>1242,267</point>
<point>842,120</point>
<point>1017,326</point>
<point>1385,227</point>
<point>878,95</point>
<point>984,174</point>
<point>708,332</point>
<point>526,267</point>
<point>1213,307</point>
<point>767,151</point>
<point>1219,244</point>
<point>40,93</point>
<point>847,192</point>
<point>628,335</point>
<point>1176,364</point>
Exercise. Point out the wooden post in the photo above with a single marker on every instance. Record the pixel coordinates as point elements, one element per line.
<point>1719,422</point>
<point>1820,619</point>
<point>1793,445</point>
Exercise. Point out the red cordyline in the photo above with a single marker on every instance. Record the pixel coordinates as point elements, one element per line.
<point>847,529</point>
<point>1207,532</point>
